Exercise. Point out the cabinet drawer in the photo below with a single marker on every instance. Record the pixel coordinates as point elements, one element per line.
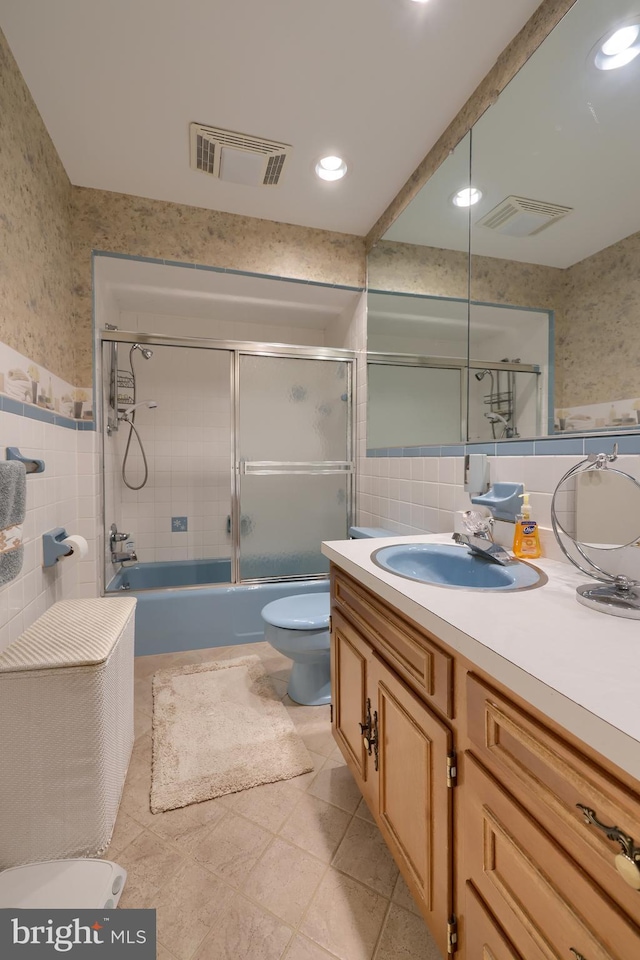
<point>550,777</point>
<point>427,668</point>
<point>539,896</point>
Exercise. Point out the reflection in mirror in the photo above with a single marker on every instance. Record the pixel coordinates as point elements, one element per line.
<point>415,399</point>
<point>599,508</point>
<point>555,248</point>
<point>417,322</point>
<point>556,159</point>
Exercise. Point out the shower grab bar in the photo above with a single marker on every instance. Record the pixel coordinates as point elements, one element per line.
<point>264,467</point>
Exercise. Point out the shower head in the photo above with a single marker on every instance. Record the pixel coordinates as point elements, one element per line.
<point>146,353</point>
<point>482,374</point>
<point>141,403</point>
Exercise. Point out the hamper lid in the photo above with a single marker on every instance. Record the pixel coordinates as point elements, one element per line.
<point>71,633</point>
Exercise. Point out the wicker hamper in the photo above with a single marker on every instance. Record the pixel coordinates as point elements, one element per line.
<point>66,730</point>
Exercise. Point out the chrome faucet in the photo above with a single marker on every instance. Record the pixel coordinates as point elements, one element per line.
<point>116,555</point>
<point>479,538</point>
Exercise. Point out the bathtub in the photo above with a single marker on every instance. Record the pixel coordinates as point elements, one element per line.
<point>174,613</point>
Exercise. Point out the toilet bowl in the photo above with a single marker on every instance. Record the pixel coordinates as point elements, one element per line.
<point>298,627</point>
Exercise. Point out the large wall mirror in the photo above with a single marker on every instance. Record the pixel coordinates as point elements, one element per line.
<point>530,293</point>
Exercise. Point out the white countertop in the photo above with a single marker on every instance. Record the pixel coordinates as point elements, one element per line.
<point>577,665</point>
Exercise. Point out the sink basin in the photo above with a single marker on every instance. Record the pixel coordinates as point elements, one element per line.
<point>450,565</point>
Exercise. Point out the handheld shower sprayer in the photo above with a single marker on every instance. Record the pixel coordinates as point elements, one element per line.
<point>495,417</point>
<point>124,414</point>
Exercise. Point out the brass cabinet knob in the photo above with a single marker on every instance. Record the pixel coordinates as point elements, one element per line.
<point>628,869</point>
<point>626,863</point>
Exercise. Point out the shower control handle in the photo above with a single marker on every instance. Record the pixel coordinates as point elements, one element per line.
<point>115,537</point>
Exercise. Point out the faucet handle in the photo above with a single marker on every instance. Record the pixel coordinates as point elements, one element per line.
<point>474,522</point>
<point>115,537</point>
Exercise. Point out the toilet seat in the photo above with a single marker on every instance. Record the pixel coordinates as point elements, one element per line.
<point>305,611</point>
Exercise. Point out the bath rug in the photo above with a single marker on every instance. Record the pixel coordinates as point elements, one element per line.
<point>218,728</point>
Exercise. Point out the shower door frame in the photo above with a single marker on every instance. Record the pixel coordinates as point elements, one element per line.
<point>235,349</point>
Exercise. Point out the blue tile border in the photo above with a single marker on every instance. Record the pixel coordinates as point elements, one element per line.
<point>515,448</point>
<point>31,412</point>
<point>563,446</point>
<point>488,448</point>
<point>628,443</point>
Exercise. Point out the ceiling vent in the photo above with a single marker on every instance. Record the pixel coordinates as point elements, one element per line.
<point>519,217</point>
<point>237,157</point>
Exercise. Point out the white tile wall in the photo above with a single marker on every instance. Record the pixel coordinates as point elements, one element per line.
<point>187,443</point>
<point>412,495</point>
<point>65,495</point>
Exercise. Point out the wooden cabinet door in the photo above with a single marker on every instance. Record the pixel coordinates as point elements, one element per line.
<point>413,803</point>
<point>484,939</point>
<point>350,656</point>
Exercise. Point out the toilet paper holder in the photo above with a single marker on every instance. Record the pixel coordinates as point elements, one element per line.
<point>53,547</point>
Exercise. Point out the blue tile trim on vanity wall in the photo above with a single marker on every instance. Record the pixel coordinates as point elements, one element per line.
<point>546,447</point>
<point>29,410</point>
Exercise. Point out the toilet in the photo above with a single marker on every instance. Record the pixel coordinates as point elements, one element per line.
<point>298,627</point>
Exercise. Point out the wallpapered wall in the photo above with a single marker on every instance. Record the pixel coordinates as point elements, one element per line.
<point>35,232</point>
<point>596,304</point>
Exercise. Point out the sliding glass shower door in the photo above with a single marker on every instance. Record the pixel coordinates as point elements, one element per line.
<point>294,463</point>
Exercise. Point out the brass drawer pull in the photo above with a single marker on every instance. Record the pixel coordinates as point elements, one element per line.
<point>365,728</point>
<point>369,731</point>
<point>627,863</point>
<point>371,742</point>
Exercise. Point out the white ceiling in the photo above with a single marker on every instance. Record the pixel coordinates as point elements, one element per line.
<point>562,132</point>
<point>376,81</point>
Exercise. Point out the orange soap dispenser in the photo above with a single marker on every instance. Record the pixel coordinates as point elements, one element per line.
<point>526,539</point>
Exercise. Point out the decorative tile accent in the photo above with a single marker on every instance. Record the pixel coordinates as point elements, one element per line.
<point>179,524</point>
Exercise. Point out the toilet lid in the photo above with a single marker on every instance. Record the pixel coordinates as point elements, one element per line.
<point>305,611</point>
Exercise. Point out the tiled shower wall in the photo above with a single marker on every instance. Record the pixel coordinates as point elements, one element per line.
<point>187,440</point>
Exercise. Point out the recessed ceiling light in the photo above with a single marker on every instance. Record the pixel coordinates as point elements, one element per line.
<point>421,1</point>
<point>466,197</point>
<point>619,47</point>
<point>331,168</point>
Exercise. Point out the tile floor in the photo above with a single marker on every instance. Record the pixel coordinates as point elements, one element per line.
<point>294,870</point>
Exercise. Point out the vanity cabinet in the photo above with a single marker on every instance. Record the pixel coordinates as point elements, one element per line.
<point>476,794</point>
<point>398,750</point>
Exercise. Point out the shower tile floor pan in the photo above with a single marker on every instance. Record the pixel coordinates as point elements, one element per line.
<point>294,870</point>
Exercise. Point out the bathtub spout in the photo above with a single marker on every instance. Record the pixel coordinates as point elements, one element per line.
<point>123,557</point>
